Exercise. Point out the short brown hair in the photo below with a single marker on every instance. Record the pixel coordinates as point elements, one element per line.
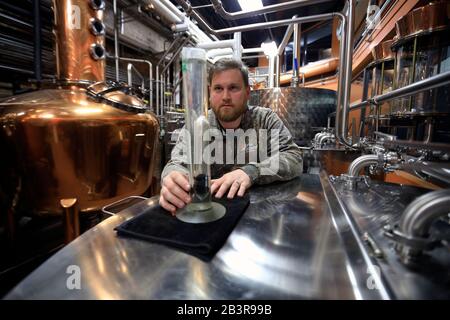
<point>228,64</point>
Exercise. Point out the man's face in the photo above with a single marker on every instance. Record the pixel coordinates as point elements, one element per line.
<point>228,95</point>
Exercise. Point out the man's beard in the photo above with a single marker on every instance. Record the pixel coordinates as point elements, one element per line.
<point>229,114</point>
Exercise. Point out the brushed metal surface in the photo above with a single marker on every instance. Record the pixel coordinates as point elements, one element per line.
<point>380,204</point>
<point>284,247</point>
<point>300,109</point>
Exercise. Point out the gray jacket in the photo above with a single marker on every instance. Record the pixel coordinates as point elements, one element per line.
<point>274,163</point>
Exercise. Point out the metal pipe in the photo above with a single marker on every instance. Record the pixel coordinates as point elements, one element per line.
<point>217,44</point>
<point>296,50</point>
<point>176,53</point>
<point>130,68</point>
<point>274,24</point>
<point>348,73</point>
<point>237,45</point>
<point>253,50</point>
<point>150,75</point>
<point>37,40</point>
<point>262,25</point>
<point>271,8</point>
<point>277,70</point>
<point>286,37</point>
<point>253,57</point>
<point>421,213</point>
<point>157,91</point>
<point>282,47</point>
<point>427,84</point>
<point>116,39</point>
<point>164,11</point>
<point>361,162</point>
<point>173,9</point>
<point>328,136</point>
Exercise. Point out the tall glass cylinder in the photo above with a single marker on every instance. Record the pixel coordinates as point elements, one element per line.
<point>195,97</point>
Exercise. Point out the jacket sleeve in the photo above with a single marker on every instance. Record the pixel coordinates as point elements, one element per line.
<point>285,160</point>
<point>178,159</point>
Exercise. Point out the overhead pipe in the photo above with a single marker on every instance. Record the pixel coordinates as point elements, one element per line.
<point>164,11</point>
<point>267,25</point>
<point>171,7</point>
<point>217,44</point>
<point>218,7</point>
<point>253,50</point>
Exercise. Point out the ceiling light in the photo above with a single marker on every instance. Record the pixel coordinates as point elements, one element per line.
<point>250,5</point>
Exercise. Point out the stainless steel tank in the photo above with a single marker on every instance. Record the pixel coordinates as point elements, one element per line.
<point>80,137</point>
<point>301,109</point>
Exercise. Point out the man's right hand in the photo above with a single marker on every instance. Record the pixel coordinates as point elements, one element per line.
<point>174,192</point>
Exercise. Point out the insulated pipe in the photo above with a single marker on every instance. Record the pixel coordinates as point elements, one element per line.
<point>237,45</point>
<point>361,162</point>
<point>164,11</point>
<point>272,8</point>
<point>253,50</point>
<point>217,44</point>
<point>173,9</point>
<point>421,213</point>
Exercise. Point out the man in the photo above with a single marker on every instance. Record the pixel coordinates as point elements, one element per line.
<point>229,93</point>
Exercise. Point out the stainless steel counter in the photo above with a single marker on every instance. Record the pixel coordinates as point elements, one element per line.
<point>287,245</point>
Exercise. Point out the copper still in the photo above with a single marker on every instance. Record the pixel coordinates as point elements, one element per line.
<point>79,138</point>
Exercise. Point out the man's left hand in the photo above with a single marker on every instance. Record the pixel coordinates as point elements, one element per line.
<point>236,181</point>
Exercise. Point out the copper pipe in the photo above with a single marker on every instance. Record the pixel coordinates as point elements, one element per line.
<point>80,41</point>
<point>71,219</point>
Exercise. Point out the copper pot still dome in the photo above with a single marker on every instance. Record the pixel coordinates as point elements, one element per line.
<point>80,138</point>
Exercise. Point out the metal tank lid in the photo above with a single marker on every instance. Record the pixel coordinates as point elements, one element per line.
<point>117,95</point>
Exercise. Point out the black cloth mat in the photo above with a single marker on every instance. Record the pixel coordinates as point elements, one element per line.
<point>202,240</point>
